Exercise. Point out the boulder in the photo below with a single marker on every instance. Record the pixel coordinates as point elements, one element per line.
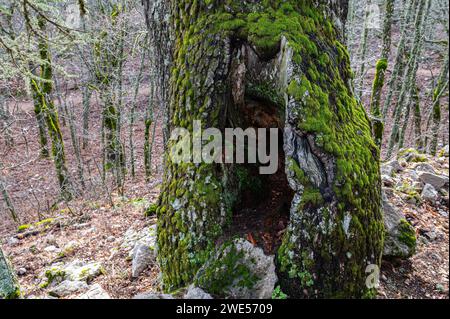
<point>430,194</point>
<point>400,240</point>
<point>134,238</point>
<point>68,287</point>
<point>143,256</point>
<point>424,167</point>
<point>238,271</point>
<point>196,293</point>
<point>9,285</point>
<point>411,155</point>
<point>141,247</point>
<point>437,181</point>
<point>95,292</point>
<point>391,168</point>
<point>74,271</point>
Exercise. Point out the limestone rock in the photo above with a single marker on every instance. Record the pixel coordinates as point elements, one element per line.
<point>430,194</point>
<point>391,168</point>
<point>143,256</point>
<point>412,156</point>
<point>196,293</point>
<point>75,271</point>
<point>238,271</point>
<point>68,287</point>
<point>437,181</point>
<point>133,238</point>
<point>424,167</point>
<point>400,240</point>
<point>95,292</point>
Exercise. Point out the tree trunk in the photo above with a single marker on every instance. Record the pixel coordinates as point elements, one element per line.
<point>43,89</point>
<point>399,59</point>
<point>253,64</point>
<point>436,112</point>
<point>381,67</point>
<point>9,286</point>
<point>410,78</point>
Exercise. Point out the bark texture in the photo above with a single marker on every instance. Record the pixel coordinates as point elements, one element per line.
<point>287,57</point>
<point>9,287</point>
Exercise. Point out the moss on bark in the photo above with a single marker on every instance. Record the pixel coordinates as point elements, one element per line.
<point>336,226</point>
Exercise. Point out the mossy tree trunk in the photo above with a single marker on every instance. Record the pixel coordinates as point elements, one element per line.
<point>40,118</point>
<point>381,67</point>
<point>415,101</point>
<point>409,82</point>
<point>439,91</point>
<point>108,59</point>
<point>363,50</point>
<point>398,69</point>
<point>9,285</point>
<point>289,55</point>
<point>45,110</point>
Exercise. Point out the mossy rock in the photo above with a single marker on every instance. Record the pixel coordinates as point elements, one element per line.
<point>238,271</point>
<point>74,271</point>
<point>400,240</point>
<point>412,155</point>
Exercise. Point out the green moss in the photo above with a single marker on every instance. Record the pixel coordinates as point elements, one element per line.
<point>9,286</point>
<point>23,228</point>
<point>378,83</point>
<point>412,155</point>
<point>51,275</point>
<point>225,271</point>
<point>45,222</point>
<point>407,234</point>
<point>278,293</point>
<point>151,210</point>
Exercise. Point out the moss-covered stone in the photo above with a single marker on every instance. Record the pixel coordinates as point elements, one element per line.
<point>407,234</point>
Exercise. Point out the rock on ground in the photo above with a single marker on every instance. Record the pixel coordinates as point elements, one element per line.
<point>68,287</point>
<point>95,292</point>
<point>436,181</point>
<point>391,168</point>
<point>238,271</point>
<point>141,247</point>
<point>143,256</point>
<point>132,238</point>
<point>196,293</point>
<point>400,240</point>
<point>430,194</point>
<point>75,271</point>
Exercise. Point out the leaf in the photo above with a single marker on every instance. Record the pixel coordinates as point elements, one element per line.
<point>251,239</point>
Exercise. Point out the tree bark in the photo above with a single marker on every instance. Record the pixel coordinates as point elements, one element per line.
<point>9,286</point>
<point>381,67</point>
<point>287,60</point>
